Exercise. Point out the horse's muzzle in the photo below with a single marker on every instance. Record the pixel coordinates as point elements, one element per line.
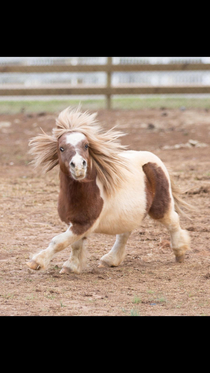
<point>78,167</point>
<point>78,174</point>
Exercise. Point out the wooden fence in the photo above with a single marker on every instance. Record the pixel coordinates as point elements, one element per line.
<point>108,90</point>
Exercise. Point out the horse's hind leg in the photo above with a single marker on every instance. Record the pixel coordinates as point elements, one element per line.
<point>117,253</point>
<point>180,239</point>
<point>77,258</point>
<point>160,206</point>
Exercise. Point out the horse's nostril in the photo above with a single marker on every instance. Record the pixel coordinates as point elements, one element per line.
<point>84,163</point>
<point>72,164</point>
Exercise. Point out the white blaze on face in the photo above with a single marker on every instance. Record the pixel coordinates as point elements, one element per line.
<point>78,162</point>
<point>74,138</point>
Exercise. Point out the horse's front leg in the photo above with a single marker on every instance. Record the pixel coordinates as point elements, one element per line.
<point>58,243</point>
<point>77,260</point>
<point>117,253</point>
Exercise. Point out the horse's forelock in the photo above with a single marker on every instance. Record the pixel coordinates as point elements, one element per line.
<point>104,146</point>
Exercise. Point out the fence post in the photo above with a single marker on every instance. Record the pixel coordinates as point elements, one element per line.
<point>108,82</point>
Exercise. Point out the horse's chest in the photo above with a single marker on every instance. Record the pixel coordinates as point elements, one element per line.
<point>80,204</point>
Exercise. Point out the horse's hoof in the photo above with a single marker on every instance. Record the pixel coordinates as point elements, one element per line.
<point>103,264</point>
<point>33,265</point>
<point>180,259</point>
<point>65,270</point>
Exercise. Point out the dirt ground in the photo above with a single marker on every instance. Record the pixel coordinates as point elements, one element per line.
<point>149,281</point>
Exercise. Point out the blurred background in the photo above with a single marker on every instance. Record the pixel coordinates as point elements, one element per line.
<point>52,83</point>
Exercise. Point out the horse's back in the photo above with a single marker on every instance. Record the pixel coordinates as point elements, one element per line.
<point>140,158</point>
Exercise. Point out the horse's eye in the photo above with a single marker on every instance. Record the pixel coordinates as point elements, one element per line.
<point>86,146</point>
<point>61,149</point>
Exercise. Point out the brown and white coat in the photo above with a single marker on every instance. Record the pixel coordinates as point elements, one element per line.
<point>103,189</point>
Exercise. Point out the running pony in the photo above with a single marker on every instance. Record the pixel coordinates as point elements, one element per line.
<point>104,188</point>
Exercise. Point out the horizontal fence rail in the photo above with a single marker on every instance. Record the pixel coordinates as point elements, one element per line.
<point>108,90</point>
<point>105,68</point>
<point>127,90</point>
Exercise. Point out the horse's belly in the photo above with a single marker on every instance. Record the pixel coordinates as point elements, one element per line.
<point>125,212</point>
<point>119,224</point>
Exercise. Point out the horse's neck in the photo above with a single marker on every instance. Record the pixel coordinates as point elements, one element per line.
<point>78,196</point>
<point>69,186</point>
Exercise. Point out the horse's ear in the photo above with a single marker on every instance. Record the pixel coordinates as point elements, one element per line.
<point>44,150</point>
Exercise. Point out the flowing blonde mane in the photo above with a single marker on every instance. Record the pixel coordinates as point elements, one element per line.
<point>104,147</point>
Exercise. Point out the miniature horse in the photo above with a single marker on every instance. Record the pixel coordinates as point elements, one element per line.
<point>103,189</point>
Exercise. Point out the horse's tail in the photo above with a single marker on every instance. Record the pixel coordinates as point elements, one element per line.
<point>178,200</point>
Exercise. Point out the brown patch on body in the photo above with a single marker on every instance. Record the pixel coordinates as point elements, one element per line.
<point>157,191</point>
<point>79,203</point>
